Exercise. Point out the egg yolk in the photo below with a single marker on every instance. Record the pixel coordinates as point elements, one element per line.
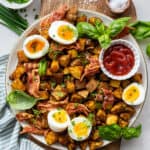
<point>35,45</point>
<point>81,129</point>
<point>65,32</point>
<point>60,116</point>
<point>132,94</point>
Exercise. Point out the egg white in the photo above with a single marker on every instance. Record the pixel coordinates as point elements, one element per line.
<point>54,35</point>
<point>71,132</point>
<point>54,125</point>
<point>141,97</point>
<point>39,54</point>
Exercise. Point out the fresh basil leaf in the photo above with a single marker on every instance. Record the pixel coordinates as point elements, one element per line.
<point>86,29</point>
<point>100,27</point>
<point>148,50</point>
<point>117,26</point>
<point>104,40</point>
<point>128,133</point>
<point>110,132</point>
<point>19,100</point>
<point>42,67</point>
<point>141,30</point>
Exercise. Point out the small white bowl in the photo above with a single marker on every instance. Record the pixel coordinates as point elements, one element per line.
<point>13,5</point>
<point>136,63</point>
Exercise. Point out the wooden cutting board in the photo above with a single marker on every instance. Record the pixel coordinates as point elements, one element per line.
<point>48,6</point>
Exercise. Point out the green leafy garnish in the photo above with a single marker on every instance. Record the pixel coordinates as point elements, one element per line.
<point>148,50</point>
<point>141,30</point>
<point>36,112</point>
<point>128,133</point>
<point>53,84</point>
<point>18,1</point>
<point>115,132</point>
<point>91,117</point>
<point>42,67</point>
<point>19,100</point>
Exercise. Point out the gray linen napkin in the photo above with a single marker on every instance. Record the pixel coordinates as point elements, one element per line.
<point>9,127</point>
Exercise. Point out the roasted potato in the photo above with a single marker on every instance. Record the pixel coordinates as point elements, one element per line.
<point>115,83</point>
<point>137,77</point>
<point>125,83</point>
<point>92,20</point>
<point>125,116</point>
<point>101,115</point>
<point>95,145</point>
<point>118,108</point>
<point>95,135</point>
<point>82,43</point>
<point>21,57</point>
<point>63,139</point>
<point>123,123</point>
<point>83,145</point>
<point>71,146</point>
<point>64,60</point>
<point>83,93</point>
<point>51,137</point>
<point>118,93</point>
<point>76,62</point>
<point>66,71</point>
<point>71,15</point>
<point>130,110</point>
<point>92,85</point>
<point>111,119</point>
<point>103,77</point>
<point>18,85</point>
<point>43,95</point>
<point>73,53</point>
<point>76,98</point>
<point>82,18</point>
<point>45,86</point>
<point>70,87</point>
<point>55,66</point>
<point>91,105</point>
<point>80,84</point>
<point>76,71</point>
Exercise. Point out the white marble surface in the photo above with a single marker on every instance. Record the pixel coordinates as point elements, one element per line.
<point>8,40</point>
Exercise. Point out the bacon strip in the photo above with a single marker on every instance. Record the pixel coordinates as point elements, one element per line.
<point>72,108</point>
<point>31,129</point>
<point>59,103</point>
<point>56,15</point>
<point>22,116</point>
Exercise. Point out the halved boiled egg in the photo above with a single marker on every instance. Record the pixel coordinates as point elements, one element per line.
<point>35,46</point>
<point>79,128</point>
<point>133,94</point>
<point>58,120</point>
<point>63,32</point>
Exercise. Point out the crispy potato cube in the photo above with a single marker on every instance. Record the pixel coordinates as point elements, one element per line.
<point>95,145</point>
<point>125,116</point>
<point>19,71</point>
<point>96,50</point>
<point>130,110</point>
<point>73,53</point>
<point>76,71</point>
<point>95,135</point>
<point>43,95</point>
<point>76,62</point>
<point>118,93</point>
<point>125,83</point>
<point>118,108</point>
<point>64,60</point>
<point>83,93</point>
<point>55,66</point>
<point>101,115</point>
<point>115,83</point>
<point>92,20</point>
<point>80,84</point>
<point>21,57</point>
<point>76,98</point>
<point>63,139</point>
<point>66,71</point>
<point>70,87</point>
<point>51,138</point>
<point>91,105</point>
<point>49,72</point>
<point>71,146</point>
<point>137,77</point>
<point>84,145</point>
<point>92,85</point>
<point>111,119</point>
<point>82,43</point>
<point>82,18</point>
<point>18,85</point>
<point>123,123</point>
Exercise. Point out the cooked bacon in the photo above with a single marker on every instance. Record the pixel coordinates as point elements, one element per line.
<point>31,129</point>
<point>33,83</point>
<point>72,108</point>
<point>56,15</point>
<point>108,99</point>
<point>30,66</point>
<point>59,103</point>
<point>22,116</point>
<point>92,68</point>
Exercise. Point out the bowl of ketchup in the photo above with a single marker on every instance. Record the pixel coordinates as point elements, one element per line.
<point>120,61</point>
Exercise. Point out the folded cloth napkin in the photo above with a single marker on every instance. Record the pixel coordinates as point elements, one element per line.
<point>9,127</point>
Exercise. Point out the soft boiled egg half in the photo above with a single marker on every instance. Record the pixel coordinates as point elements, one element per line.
<point>63,32</point>
<point>133,94</point>
<point>58,120</point>
<point>79,128</point>
<point>35,46</point>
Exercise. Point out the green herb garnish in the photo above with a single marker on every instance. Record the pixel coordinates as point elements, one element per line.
<point>36,112</point>
<point>148,50</point>
<point>42,67</point>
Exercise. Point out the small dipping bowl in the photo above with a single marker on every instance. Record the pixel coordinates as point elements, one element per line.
<point>119,11</point>
<point>133,69</point>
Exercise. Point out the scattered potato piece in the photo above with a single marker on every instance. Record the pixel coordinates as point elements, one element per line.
<point>123,123</point>
<point>137,77</point>
<point>76,98</point>
<point>125,83</point>
<point>103,77</point>
<point>43,95</point>
<point>18,85</point>
<point>76,71</point>
<point>66,71</point>
<point>55,66</point>
<point>115,83</point>
<point>91,105</point>
<point>21,57</point>
<point>92,85</point>
<point>84,145</point>
<point>95,135</point>
<point>76,62</point>
<point>73,53</point>
<point>111,119</point>
<point>101,115</point>
<point>118,108</point>
<point>118,93</point>
<point>82,18</point>
<point>95,145</point>
<point>64,60</point>
<point>83,93</point>
<point>125,116</point>
<point>130,110</point>
<point>70,87</point>
<point>51,138</point>
<point>82,43</point>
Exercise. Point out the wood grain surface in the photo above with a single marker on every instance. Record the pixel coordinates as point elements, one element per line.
<point>48,6</point>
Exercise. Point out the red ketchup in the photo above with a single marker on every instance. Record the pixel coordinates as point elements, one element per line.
<point>119,60</point>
